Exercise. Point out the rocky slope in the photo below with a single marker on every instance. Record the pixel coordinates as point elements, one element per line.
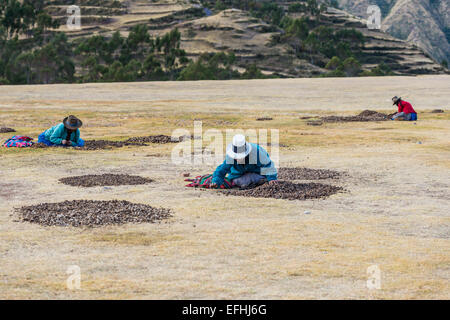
<point>423,22</point>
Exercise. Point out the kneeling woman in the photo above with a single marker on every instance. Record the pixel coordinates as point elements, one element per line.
<point>245,164</point>
<point>65,134</point>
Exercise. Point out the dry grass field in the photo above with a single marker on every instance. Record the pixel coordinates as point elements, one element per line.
<point>395,212</point>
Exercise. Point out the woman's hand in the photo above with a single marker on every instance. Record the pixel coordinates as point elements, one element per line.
<point>64,142</point>
<point>69,143</point>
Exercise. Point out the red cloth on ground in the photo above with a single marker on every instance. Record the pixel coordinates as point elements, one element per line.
<point>205,181</point>
<point>406,107</point>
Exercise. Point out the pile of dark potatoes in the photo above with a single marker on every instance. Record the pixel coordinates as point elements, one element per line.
<point>96,180</point>
<point>285,189</point>
<point>91,213</point>
<point>135,141</point>
<point>365,116</point>
<point>6,130</point>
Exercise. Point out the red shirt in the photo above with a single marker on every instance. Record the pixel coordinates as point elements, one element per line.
<point>406,107</point>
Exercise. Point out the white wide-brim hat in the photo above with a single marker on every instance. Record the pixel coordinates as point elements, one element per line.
<point>239,148</point>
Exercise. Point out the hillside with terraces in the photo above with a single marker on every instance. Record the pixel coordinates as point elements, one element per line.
<point>232,30</point>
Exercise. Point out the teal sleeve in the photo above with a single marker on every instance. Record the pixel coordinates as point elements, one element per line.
<point>220,173</point>
<point>77,137</point>
<point>57,134</point>
<point>267,166</point>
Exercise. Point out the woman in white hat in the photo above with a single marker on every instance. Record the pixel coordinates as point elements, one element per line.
<point>245,163</point>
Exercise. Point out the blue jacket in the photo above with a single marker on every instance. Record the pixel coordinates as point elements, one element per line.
<point>58,133</point>
<point>259,162</point>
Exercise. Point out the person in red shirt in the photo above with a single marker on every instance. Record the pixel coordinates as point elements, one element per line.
<point>405,110</point>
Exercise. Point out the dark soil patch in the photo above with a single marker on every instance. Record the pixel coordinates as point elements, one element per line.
<point>365,116</point>
<point>104,180</point>
<point>288,190</point>
<point>264,119</point>
<point>437,111</point>
<point>91,213</point>
<point>307,174</point>
<point>6,130</point>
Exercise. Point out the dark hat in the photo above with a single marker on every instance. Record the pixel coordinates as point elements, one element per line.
<point>72,123</point>
<point>396,99</point>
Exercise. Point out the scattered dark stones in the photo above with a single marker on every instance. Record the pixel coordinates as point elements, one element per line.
<point>91,213</point>
<point>307,174</point>
<point>437,111</point>
<point>104,180</point>
<point>39,145</point>
<point>107,144</point>
<point>264,119</point>
<point>162,139</point>
<point>314,123</point>
<point>190,137</point>
<point>287,190</point>
<point>6,130</point>
<point>365,116</point>
<point>280,145</point>
<point>93,145</point>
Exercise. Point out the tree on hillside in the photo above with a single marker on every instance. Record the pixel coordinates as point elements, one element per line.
<point>351,67</point>
<point>11,17</point>
<point>252,72</point>
<point>312,45</point>
<point>298,28</point>
<point>21,17</point>
<point>152,69</point>
<point>334,63</point>
<point>23,68</point>
<point>45,22</point>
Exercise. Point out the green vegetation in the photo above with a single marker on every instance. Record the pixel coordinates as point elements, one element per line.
<point>211,67</point>
<point>136,58</point>
<point>218,66</point>
<point>45,56</point>
<point>352,68</point>
<point>32,52</point>
<point>444,63</point>
<point>318,43</point>
<point>447,33</point>
<point>24,17</point>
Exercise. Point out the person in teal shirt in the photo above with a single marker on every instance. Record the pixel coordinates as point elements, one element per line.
<point>245,163</point>
<point>65,134</point>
